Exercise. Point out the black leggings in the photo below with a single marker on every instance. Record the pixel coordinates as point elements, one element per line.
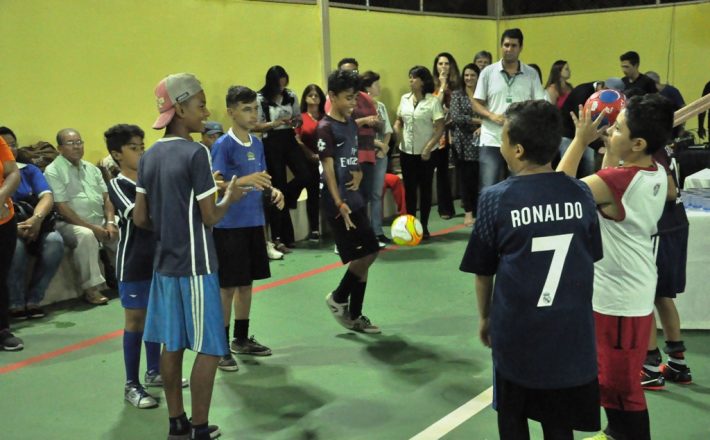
<point>8,241</point>
<point>444,199</point>
<point>417,175</point>
<point>468,182</point>
<point>281,151</point>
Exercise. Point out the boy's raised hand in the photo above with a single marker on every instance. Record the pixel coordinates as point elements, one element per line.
<point>587,130</point>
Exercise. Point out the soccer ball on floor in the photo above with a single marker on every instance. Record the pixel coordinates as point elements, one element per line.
<point>602,100</point>
<point>407,230</point>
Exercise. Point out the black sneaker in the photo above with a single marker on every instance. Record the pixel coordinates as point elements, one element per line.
<point>250,346</point>
<point>213,429</point>
<point>676,373</point>
<point>383,239</point>
<point>10,342</point>
<point>18,314</point>
<point>34,312</point>
<point>652,380</point>
<point>314,237</point>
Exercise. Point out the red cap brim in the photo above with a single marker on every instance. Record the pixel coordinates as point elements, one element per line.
<point>164,119</point>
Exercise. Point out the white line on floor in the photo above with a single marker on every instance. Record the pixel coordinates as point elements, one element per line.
<point>450,421</point>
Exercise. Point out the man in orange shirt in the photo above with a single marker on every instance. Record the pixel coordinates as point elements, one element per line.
<point>9,181</point>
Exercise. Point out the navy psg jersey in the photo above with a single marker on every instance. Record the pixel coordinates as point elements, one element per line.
<point>136,246</point>
<point>338,140</point>
<point>539,235</point>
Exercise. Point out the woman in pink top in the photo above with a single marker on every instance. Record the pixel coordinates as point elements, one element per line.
<point>558,86</point>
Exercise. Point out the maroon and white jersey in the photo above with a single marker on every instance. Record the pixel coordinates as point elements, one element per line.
<point>625,279</point>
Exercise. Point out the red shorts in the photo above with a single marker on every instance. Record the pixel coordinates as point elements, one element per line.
<point>621,349</point>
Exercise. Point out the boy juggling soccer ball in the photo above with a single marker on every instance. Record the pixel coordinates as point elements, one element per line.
<point>342,203</point>
<point>630,192</point>
<point>175,198</point>
<point>239,236</point>
<point>537,232</point>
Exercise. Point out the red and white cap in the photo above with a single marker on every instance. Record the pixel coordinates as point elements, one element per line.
<point>171,90</point>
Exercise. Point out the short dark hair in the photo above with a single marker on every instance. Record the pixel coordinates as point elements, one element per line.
<point>310,88</point>
<point>483,54</point>
<point>512,33</point>
<point>537,126</point>
<point>239,94</point>
<point>469,66</point>
<point>423,73</point>
<point>5,130</point>
<point>120,134</point>
<point>341,80</point>
<point>631,57</point>
<point>650,117</point>
<point>348,61</point>
<point>368,79</point>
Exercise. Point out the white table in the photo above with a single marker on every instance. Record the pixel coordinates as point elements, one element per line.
<point>694,304</point>
<point>701,179</point>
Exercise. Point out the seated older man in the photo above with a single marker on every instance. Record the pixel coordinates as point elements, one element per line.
<point>81,199</point>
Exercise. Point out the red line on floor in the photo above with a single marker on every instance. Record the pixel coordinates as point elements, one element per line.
<point>298,277</point>
<point>114,334</point>
<point>61,351</point>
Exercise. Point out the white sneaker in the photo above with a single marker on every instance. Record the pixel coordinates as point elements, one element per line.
<point>152,379</point>
<point>335,250</point>
<point>272,252</point>
<point>340,311</point>
<point>139,397</point>
<point>363,325</point>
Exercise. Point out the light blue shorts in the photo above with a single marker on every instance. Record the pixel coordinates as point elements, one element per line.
<point>186,312</point>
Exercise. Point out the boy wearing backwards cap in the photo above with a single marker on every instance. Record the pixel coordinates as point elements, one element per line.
<point>175,198</point>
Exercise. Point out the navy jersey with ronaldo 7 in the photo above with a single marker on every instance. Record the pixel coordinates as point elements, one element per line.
<point>338,140</point>
<point>539,235</point>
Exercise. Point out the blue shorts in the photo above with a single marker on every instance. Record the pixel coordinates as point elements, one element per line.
<point>186,312</point>
<point>134,294</point>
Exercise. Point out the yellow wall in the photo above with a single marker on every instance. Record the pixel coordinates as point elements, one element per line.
<point>592,43</point>
<point>90,64</point>
<point>391,44</point>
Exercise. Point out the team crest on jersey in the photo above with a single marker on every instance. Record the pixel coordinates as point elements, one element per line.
<point>321,145</point>
<point>656,188</point>
<point>251,156</point>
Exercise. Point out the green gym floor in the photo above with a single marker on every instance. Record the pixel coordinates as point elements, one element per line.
<point>322,382</point>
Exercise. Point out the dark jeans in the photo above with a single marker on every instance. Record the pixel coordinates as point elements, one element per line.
<point>8,240</point>
<point>468,182</point>
<point>444,199</point>
<point>47,261</point>
<point>281,151</point>
<point>417,175</point>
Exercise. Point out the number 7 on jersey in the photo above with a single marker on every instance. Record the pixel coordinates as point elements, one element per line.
<point>559,244</point>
